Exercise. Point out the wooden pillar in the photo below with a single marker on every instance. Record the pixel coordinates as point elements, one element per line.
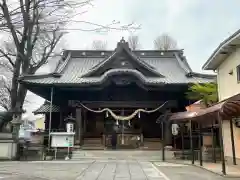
<point>167,133</point>
<point>182,136</point>
<point>163,141</point>
<point>79,125</point>
<point>84,121</point>
<point>61,124</point>
<point>167,128</point>
<point>221,144</point>
<point>213,142</point>
<point>50,119</point>
<point>232,142</point>
<point>174,142</point>
<point>191,142</point>
<point>200,144</point>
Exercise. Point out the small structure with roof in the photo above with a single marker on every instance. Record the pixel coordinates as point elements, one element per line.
<point>221,118</point>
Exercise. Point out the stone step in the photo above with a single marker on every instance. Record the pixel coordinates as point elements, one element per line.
<point>89,147</point>
<point>151,145</point>
<point>159,158</point>
<point>143,158</point>
<point>94,154</point>
<point>92,141</point>
<point>92,147</point>
<point>74,153</point>
<point>120,154</point>
<point>152,140</point>
<point>92,144</point>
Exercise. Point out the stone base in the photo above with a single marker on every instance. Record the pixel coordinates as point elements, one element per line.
<point>8,148</point>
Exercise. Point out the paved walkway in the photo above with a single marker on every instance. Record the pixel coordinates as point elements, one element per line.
<point>231,170</point>
<point>102,170</point>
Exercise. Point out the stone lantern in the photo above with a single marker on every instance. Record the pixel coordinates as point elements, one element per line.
<point>16,122</point>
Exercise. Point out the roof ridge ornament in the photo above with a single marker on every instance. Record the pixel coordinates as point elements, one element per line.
<point>122,40</point>
<point>122,44</point>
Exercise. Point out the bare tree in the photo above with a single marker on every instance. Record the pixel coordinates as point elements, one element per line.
<point>5,85</point>
<point>99,45</point>
<point>34,29</point>
<point>133,42</point>
<point>5,93</point>
<point>165,42</point>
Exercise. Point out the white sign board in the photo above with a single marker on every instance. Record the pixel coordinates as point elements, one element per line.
<point>63,139</point>
<point>175,128</point>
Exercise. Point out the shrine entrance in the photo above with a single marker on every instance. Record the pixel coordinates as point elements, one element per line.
<point>132,128</point>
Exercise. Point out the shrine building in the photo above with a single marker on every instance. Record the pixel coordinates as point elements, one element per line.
<point>138,88</point>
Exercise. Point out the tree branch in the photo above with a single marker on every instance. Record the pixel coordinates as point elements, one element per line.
<point>7,56</point>
<point>7,17</point>
<point>36,28</point>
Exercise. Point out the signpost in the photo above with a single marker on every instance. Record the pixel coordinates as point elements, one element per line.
<point>62,139</point>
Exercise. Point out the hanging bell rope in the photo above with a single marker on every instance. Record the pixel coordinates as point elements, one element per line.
<point>124,118</point>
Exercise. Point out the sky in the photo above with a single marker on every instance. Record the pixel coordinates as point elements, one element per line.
<point>198,26</point>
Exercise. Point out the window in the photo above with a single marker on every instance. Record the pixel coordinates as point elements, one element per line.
<point>238,73</point>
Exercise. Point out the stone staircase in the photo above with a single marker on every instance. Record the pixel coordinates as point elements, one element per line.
<point>79,155</point>
<point>92,144</point>
<point>151,144</point>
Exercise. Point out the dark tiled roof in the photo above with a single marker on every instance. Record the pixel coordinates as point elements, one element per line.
<point>45,108</point>
<point>171,66</point>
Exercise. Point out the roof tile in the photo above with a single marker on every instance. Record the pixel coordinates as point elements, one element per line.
<point>170,67</point>
<point>45,108</point>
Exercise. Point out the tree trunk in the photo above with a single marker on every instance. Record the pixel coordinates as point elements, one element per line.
<point>18,92</point>
<point>14,88</point>
<point>22,91</point>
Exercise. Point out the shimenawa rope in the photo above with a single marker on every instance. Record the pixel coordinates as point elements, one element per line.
<point>124,118</point>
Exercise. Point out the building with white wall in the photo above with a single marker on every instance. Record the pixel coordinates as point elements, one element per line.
<point>225,60</point>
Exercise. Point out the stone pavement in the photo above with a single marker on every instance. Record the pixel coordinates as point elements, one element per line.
<point>231,170</point>
<point>101,170</point>
<point>182,172</point>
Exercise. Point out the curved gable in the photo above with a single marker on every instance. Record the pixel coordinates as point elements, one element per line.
<point>123,58</point>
